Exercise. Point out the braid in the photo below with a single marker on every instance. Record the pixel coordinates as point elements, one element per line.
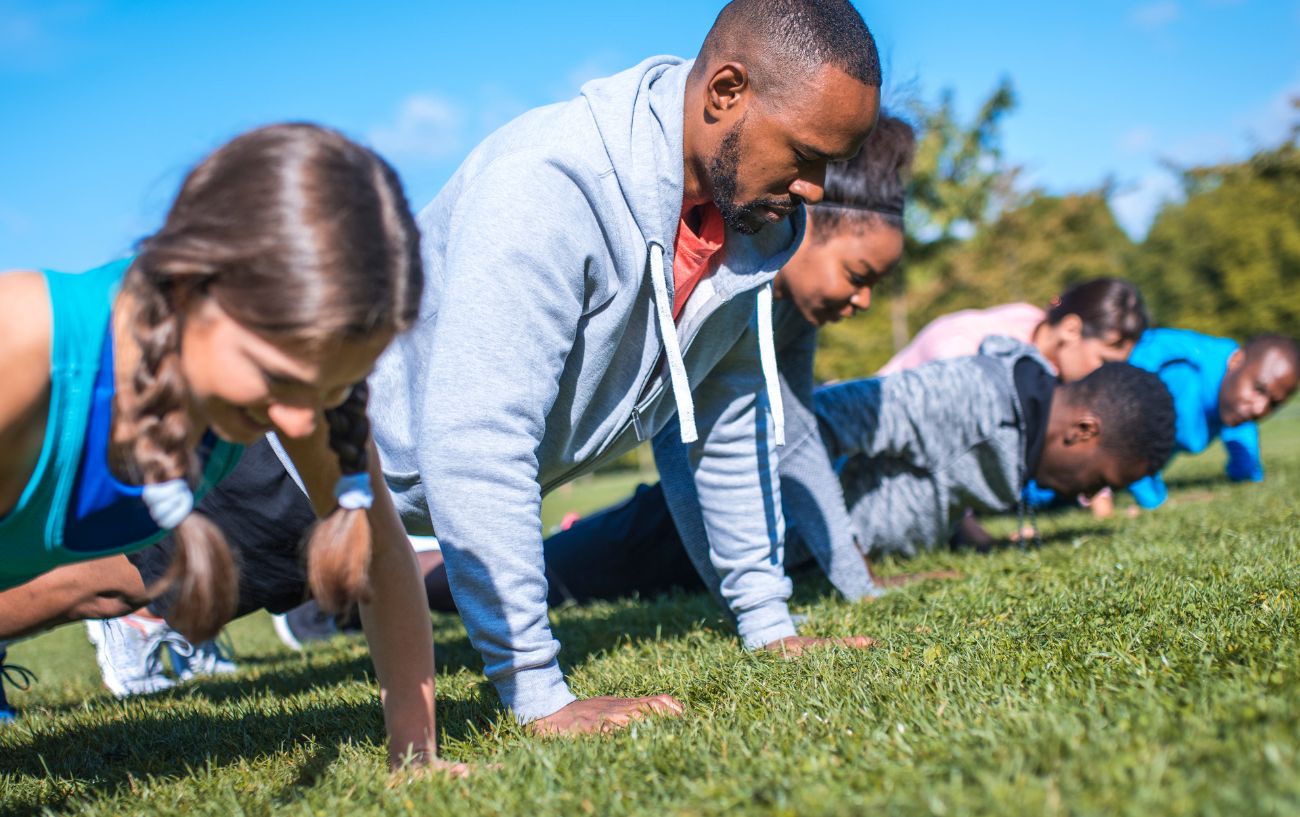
<point>338,554</point>
<point>158,418</point>
<point>202,578</point>
<point>350,430</point>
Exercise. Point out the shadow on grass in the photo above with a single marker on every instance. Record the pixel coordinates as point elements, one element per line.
<point>159,741</point>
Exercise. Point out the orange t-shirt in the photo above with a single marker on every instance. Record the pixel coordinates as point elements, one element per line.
<point>694,253</point>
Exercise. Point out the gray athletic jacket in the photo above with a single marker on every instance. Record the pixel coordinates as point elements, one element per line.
<point>546,346</point>
<point>922,445</point>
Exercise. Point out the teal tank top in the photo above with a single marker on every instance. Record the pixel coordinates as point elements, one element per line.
<point>32,533</point>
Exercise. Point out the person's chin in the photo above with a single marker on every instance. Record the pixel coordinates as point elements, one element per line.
<point>238,428</point>
<point>1059,486</point>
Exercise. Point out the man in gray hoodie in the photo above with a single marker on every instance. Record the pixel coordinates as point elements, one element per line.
<point>551,338</point>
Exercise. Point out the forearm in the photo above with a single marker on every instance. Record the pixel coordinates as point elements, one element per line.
<point>731,488</point>
<point>487,511</point>
<point>1242,446</point>
<point>101,588</point>
<point>815,511</point>
<point>396,623</point>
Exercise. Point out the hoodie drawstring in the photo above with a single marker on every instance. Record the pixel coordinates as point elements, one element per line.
<point>677,366</point>
<point>672,347</point>
<point>767,355</point>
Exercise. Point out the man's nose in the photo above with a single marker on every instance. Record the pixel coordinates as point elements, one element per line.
<point>811,184</point>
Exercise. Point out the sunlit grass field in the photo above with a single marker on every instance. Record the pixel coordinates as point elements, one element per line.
<point>1133,666</point>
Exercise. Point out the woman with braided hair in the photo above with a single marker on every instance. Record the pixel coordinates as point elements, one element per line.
<point>287,263</point>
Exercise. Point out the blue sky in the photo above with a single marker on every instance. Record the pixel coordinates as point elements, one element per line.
<point>103,105</point>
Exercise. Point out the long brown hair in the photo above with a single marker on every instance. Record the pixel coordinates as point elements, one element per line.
<point>305,238</point>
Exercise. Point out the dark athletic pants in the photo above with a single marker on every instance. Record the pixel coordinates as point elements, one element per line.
<point>631,548</point>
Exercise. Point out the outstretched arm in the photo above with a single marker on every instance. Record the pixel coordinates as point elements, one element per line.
<point>723,491</point>
<point>811,495</point>
<point>396,618</point>
<point>1242,444</point>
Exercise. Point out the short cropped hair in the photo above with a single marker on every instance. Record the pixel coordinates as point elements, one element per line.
<point>1281,343</point>
<point>1136,412</point>
<point>870,186</point>
<point>795,36</point>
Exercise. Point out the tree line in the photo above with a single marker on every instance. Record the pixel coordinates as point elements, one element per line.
<point>1223,258</point>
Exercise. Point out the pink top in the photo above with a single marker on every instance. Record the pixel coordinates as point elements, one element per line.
<point>961,333</point>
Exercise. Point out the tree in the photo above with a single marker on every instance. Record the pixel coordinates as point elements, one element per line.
<point>1032,253</point>
<point>1226,260</point>
<point>959,183</point>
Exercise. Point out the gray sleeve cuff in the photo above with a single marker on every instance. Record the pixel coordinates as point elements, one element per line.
<point>763,625</point>
<point>535,692</point>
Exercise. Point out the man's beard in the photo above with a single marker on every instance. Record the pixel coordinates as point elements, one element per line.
<point>745,218</point>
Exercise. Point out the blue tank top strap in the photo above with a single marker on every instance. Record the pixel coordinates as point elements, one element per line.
<point>33,532</point>
<point>79,309</point>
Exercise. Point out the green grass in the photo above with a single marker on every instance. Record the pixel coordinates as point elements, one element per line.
<point>1142,667</point>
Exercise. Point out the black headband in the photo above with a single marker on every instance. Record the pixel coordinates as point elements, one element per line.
<point>884,210</point>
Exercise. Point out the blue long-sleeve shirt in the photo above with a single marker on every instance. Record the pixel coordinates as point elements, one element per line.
<point>1192,366</point>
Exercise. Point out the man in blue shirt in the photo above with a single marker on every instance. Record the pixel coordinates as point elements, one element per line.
<point>1219,390</point>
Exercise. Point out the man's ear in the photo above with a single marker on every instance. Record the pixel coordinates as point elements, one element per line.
<point>1085,427</point>
<point>1236,359</point>
<point>728,89</point>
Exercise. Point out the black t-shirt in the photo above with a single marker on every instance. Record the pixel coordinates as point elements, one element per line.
<point>1035,386</point>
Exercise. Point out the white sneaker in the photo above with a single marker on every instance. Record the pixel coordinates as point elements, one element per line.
<point>206,659</point>
<point>306,622</point>
<point>129,653</point>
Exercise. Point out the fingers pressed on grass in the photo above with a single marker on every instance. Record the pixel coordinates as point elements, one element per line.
<point>434,768</point>
<point>795,645</point>
<point>604,714</point>
<point>904,579</point>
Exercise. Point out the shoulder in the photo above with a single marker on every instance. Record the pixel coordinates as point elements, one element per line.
<point>26,330</point>
<point>555,147</point>
<point>24,317</point>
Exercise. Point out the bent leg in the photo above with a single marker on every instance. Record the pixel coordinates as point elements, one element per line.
<point>631,548</point>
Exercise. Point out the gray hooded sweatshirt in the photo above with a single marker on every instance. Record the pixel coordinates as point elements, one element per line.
<point>546,347</point>
<point>922,445</point>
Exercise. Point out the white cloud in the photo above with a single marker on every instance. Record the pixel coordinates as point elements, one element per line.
<point>36,35</point>
<point>1155,15</point>
<point>1265,126</point>
<point>1137,139</point>
<point>599,64</point>
<point>1271,122</point>
<point>428,128</point>
<point>1136,205</point>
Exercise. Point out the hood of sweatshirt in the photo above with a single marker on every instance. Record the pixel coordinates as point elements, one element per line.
<point>639,115</point>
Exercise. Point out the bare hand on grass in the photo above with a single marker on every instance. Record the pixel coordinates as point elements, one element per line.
<point>795,645</point>
<point>604,714</point>
<point>904,579</point>
<point>436,767</point>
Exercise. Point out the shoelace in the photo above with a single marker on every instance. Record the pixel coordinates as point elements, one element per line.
<point>19,677</point>
<point>153,644</point>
